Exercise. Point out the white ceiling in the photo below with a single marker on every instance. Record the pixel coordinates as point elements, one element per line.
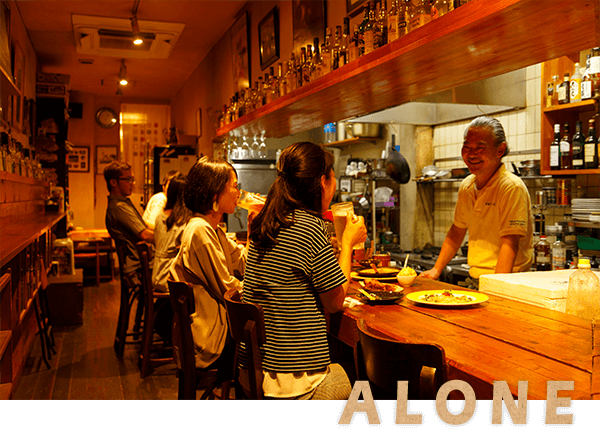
<point>49,26</point>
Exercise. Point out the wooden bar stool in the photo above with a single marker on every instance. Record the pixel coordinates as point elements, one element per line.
<point>130,291</point>
<point>384,362</point>
<point>221,371</point>
<point>247,326</point>
<point>148,341</point>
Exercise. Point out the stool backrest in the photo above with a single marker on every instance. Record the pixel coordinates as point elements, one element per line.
<point>182,300</point>
<point>144,252</point>
<point>247,326</point>
<point>384,362</point>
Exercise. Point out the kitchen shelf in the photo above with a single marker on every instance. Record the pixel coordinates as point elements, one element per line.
<point>481,39</point>
<point>8,87</point>
<point>563,113</point>
<point>349,141</point>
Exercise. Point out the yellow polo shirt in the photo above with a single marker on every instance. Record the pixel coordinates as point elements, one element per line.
<point>501,208</point>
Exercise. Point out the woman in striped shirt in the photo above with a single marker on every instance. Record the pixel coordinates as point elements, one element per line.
<point>291,271</point>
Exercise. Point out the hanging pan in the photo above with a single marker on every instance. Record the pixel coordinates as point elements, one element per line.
<point>396,166</point>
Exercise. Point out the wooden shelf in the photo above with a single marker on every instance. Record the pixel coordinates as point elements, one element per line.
<point>349,141</point>
<point>578,107</point>
<point>8,87</point>
<point>481,39</point>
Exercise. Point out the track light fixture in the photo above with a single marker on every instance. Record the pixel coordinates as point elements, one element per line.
<point>135,28</point>
<point>123,74</point>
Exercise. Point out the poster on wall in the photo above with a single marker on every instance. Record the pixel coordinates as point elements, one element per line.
<point>308,22</point>
<point>104,156</point>
<point>78,159</point>
<point>241,54</point>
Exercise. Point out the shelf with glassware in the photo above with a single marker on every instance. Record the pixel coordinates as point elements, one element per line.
<point>349,141</point>
<point>453,50</point>
<point>553,113</point>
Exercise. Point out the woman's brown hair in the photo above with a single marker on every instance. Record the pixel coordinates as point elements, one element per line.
<point>297,186</point>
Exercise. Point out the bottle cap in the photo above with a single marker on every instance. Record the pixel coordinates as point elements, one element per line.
<point>584,263</point>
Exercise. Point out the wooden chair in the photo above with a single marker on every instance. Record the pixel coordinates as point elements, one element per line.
<point>130,291</point>
<point>247,326</point>
<point>148,340</point>
<point>182,300</point>
<point>384,362</point>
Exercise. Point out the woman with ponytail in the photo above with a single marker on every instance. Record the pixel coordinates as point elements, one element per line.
<point>291,271</point>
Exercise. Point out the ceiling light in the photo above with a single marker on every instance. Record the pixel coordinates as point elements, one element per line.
<point>123,74</point>
<point>135,28</point>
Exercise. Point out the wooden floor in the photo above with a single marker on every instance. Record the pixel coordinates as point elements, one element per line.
<point>85,366</point>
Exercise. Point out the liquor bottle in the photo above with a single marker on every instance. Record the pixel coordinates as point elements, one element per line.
<point>317,71</point>
<point>382,21</point>
<point>564,93</point>
<point>542,258</point>
<point>559,253</point>
<point>590,152</point>
<point>555,149</point>
<point>343,56</point>
<point>353,49</point>
<point>440,8</point>
<point>306,63</point>
<point>421,15</point>
<point>595,64</point>
<point>299,66</point>
<point>540,223</point>
<point>586,81</point>
<point>404,14</point>
<point>578,147</point>
<point>234,107</point>
<point>281,80</point>
<point>393,17</point>
<point>240,104</point>
<point>290,75</point>
<point>555,80</point>
<point>250,99</point>
<point>361,30</point>
<point>335,51</point>
<point>575,85</point>
<point>371,34</point>
<point>566,153</point>
<point>549,94</point>
<point>273,86</point>
<point>326,53</point>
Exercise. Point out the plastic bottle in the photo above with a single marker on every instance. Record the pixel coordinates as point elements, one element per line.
<point>583,296</point>
<point>559,253</point>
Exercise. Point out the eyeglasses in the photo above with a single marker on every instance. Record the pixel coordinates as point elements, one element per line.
<point>128,179</point>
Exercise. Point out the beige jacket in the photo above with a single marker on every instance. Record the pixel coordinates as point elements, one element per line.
<point>210,262</point>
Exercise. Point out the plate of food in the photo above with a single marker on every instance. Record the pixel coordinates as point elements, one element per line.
<point>376,292</point>
<point>447,298</point>
<point>375,272</point>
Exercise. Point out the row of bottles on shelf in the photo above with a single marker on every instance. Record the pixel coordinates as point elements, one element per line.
<point>557,250</point>
<point>580,152</point>
<point>378,27</point>
<point>576,87</point>
<point>17,159</point>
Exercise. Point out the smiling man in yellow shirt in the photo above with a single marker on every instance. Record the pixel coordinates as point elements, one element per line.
<point>493,206</point>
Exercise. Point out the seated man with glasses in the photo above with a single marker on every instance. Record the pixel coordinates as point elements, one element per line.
<point>123,221</point>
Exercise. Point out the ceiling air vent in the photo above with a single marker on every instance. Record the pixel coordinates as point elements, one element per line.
<point>112,37</point>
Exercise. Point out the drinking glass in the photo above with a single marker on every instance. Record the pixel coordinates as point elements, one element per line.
<point>339,211</point>
<point>251,201</point>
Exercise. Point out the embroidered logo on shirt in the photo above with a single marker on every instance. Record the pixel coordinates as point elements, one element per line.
<point>517,223</point>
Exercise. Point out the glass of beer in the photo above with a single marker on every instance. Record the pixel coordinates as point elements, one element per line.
<point>251,201</point>
<point>339,211</point>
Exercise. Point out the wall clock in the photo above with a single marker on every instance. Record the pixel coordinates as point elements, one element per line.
<point>106,118</point>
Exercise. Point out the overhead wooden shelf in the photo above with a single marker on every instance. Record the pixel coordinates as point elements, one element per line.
<point>481,39</point>
<point>348,141</point>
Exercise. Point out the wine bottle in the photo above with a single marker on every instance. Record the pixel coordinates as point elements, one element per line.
<point>566,155</point>
<point>555,149</point>
<point>578,146</point>
<point>590,157</point>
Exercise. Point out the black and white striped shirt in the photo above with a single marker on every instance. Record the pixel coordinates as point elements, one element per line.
<point>286,281</point>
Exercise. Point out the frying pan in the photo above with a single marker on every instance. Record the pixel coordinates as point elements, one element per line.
<point>396,167</point>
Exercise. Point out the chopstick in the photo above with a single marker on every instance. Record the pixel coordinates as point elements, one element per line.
<point>364,292</point>
<point>406,261</point>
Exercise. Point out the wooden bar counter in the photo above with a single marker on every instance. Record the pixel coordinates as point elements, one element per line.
<point>498,340</point>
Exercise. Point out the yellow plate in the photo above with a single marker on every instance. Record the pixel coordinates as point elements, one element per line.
<point>475,298</point>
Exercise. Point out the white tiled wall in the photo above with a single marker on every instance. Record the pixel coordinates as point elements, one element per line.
<point>522,129</point>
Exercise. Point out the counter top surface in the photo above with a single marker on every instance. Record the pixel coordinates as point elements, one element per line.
<point>16,237</point>
<point>501,339</point>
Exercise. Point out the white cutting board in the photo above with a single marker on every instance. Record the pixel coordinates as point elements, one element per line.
<point>545,289</point>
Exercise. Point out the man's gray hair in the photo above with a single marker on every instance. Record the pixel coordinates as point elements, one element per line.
<point>495,128</point>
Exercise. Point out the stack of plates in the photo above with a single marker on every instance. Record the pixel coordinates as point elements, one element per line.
<point>582,208</point>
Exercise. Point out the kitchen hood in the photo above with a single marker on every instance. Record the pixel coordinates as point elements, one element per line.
<point>485,97</point>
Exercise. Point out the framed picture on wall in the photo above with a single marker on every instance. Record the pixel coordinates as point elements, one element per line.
<point>268,38</point>
<point>308,19</point>
<point>241,53</point>
<point>198,124</point>
<point>104,156</point>
<point>78,159</point>
<point>354,7</point>
<point>5,37</point>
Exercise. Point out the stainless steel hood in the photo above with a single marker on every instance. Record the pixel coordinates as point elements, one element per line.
<point>493,95</point>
